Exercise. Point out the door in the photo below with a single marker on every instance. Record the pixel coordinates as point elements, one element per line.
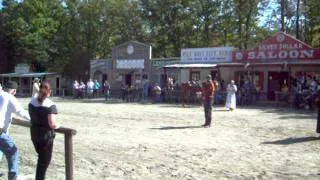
<point>104,77</point>
<point>128,79</point>
<point>58,86</point>
<point>214,74</point>
<point>275,81</point>
<point>163,80</point>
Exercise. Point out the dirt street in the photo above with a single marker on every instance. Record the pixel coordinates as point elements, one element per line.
<point>165,141</point>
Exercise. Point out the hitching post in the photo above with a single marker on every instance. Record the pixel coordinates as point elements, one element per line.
<point>68,146</point>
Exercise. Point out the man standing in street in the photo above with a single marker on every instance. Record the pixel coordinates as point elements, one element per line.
<point>208,89</point>
<point>8,106</point>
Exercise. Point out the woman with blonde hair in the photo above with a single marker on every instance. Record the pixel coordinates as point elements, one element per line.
<point>42,112</point>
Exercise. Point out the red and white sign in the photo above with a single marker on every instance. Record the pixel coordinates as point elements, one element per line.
<point>281,46</point>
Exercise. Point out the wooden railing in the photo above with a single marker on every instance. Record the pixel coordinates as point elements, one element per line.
<point>68,146</point>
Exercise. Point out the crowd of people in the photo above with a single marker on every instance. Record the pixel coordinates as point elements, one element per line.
<point>305,88</point>
<point>127,93</point>
<point>92,89</point>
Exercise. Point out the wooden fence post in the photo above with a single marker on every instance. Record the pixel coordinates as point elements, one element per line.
<point>68,155</point>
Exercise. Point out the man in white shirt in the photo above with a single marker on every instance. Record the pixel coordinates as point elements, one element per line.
<point>90,85</point>
<point>9,106</point>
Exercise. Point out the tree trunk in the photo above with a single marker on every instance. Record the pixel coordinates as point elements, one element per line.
<point>297,20</point>
<point>282,14</point>
<point>247,28</point>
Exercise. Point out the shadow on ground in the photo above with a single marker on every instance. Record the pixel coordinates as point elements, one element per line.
<point>288,141</point>
<point>176,127</point>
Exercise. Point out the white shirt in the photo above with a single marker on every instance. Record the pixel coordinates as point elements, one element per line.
<point>90,85</point>
<point>9,106</point>
<point>35,89</point>
<point>76,85</point>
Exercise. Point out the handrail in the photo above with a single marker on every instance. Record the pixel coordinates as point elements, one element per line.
<point>68,146</point>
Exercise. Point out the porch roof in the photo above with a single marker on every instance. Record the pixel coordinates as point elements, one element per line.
<point>32,74</point>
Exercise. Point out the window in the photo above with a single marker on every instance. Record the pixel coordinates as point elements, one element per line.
<point>255,77</point>
<point>145,76</point>
<point>195,75</point>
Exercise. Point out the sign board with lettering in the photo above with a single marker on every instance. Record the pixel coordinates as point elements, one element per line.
<point>207,55</point>
<point>280,47</point>
<point>22,68</point>
<point>130,63</point>
<point>161,63</point>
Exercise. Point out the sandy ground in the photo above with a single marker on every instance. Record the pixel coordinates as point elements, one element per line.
<point>164,141</point>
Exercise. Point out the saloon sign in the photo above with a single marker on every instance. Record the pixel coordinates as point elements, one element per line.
<point>279,47</point>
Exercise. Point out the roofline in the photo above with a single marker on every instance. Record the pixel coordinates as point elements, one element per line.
<point>135,42</point>
<point>28,74</point>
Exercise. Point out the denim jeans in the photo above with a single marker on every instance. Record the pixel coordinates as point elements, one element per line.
<point>1,153</point>
<point>10,150</point>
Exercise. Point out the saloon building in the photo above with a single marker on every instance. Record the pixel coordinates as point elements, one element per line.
<point>274,63</point>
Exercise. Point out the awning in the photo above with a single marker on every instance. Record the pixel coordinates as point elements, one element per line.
<point>27,74</point>
<point>186,66</point>
<point>292,63</point>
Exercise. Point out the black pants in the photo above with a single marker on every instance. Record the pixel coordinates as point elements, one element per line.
<point>44,150</point>
<point>207,104</point>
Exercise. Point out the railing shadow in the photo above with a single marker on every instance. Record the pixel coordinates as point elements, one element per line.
<point>176,127</point>
<point>288,141</point>
<point>68,145</point>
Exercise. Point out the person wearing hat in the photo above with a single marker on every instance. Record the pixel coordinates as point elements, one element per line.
<point>35,87</point>
<point>231,96</point>
<point>208,89</point>
<point>9,106</point>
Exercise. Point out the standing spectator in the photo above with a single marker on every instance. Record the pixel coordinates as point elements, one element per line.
<point>123,92</point>
<point>35,87</point>
<point>8,106</point>
<point>90,86</point>
<point>157,92</point>
<point>208,89</point>
<point>42,112</point>
<point>231,96</point>
<point>82,88</point>
<point>76,88</point>
<point>258,90</point>
<point>96,87</point>
<point>146,89</point>
<point>246,92</point>
<point>107,87</point>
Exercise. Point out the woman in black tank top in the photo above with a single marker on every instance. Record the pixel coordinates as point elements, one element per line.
<point>42,113</point>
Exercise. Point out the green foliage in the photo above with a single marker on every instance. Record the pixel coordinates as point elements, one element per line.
<point>63,35</point>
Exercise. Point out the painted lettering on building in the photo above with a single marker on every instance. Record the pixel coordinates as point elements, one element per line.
<point>206,55</point>
<point>293,54</point>
<point>281,47</point>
